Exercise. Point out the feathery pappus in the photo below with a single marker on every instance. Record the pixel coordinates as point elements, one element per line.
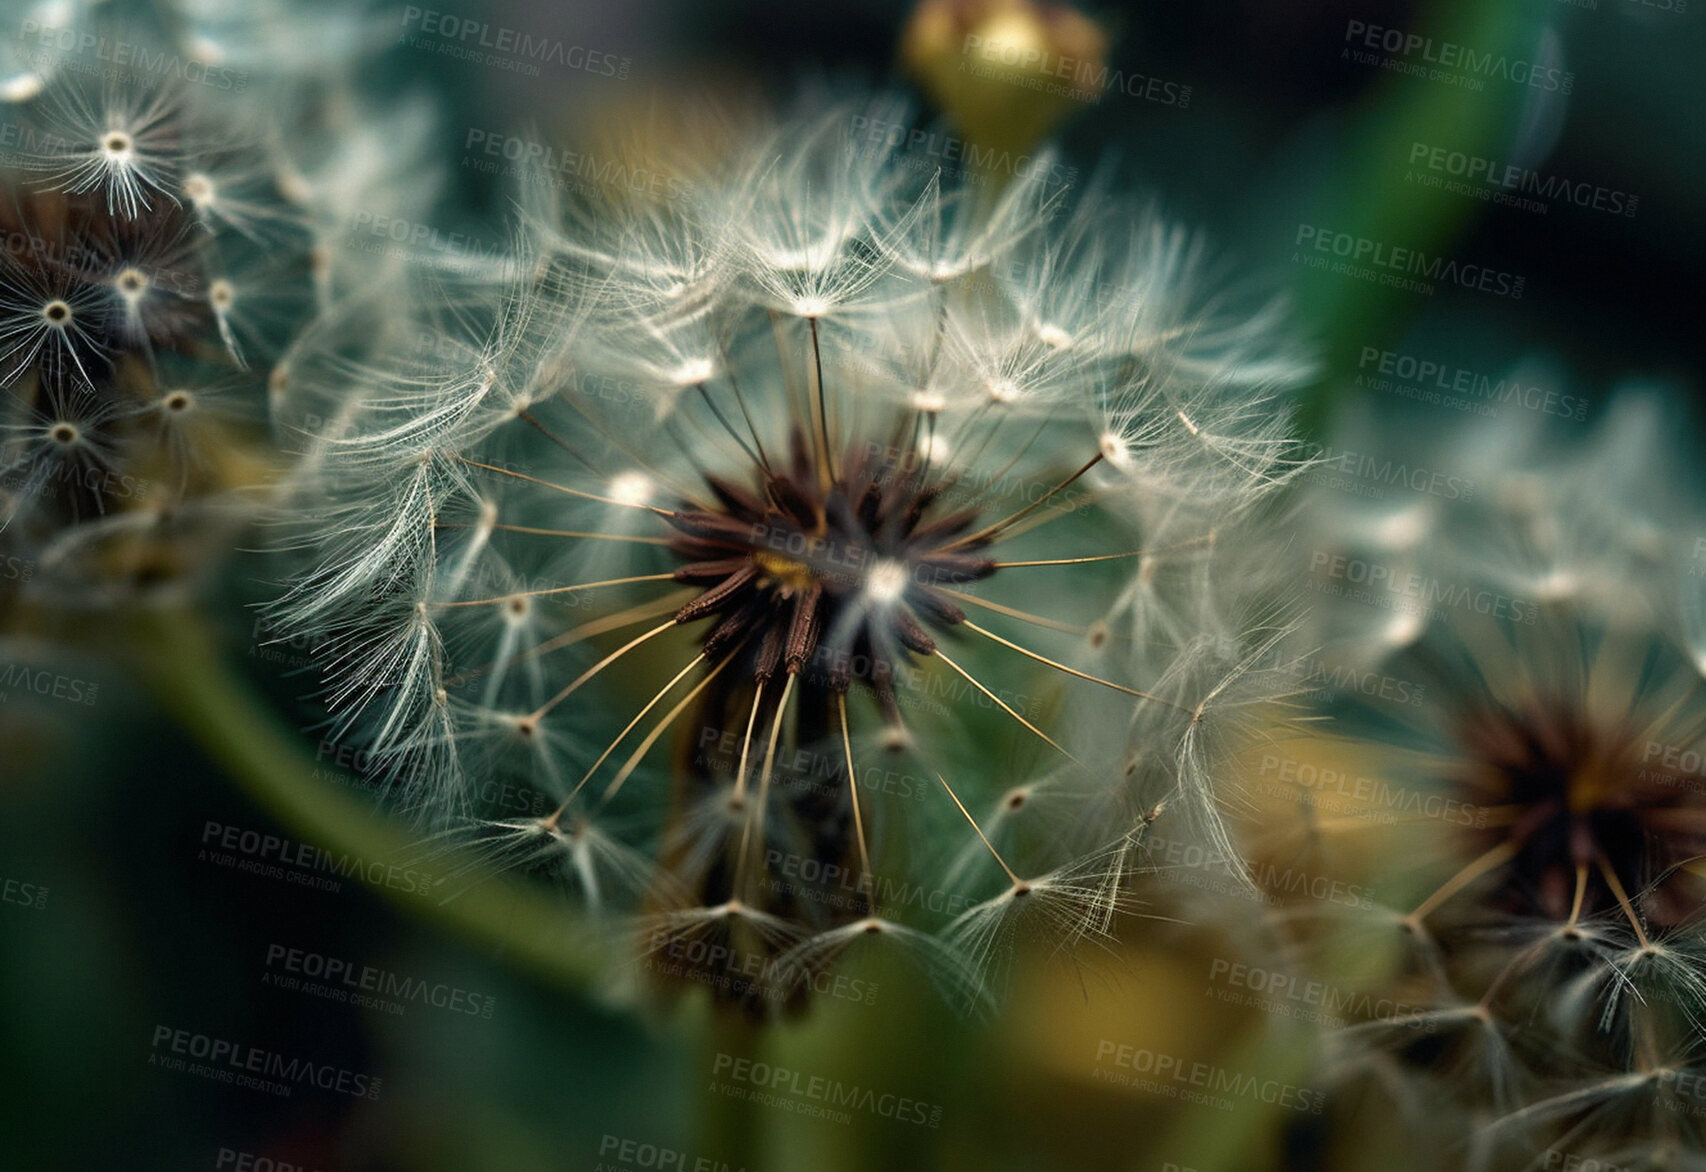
<point>1515,793</point>
<point>835,544</point>
<point>171,223</point>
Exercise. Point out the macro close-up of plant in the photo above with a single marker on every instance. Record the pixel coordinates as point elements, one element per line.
<point>940,584</point>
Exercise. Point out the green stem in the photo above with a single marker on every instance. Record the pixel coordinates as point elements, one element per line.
<point>190,676</point>
<point>1371,197</point>
<point>731,1128</point>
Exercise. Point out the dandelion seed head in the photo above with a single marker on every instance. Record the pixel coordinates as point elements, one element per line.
<point>1531,813</point>
<point>789,486</point>
<point>141,205</point>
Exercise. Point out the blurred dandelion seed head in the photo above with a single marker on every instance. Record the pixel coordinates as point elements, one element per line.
<point>1525,836</point>
<point>158,259</point>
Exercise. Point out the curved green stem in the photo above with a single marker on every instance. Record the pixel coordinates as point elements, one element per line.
<point>731,1128</point>
<point>190,676</point>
